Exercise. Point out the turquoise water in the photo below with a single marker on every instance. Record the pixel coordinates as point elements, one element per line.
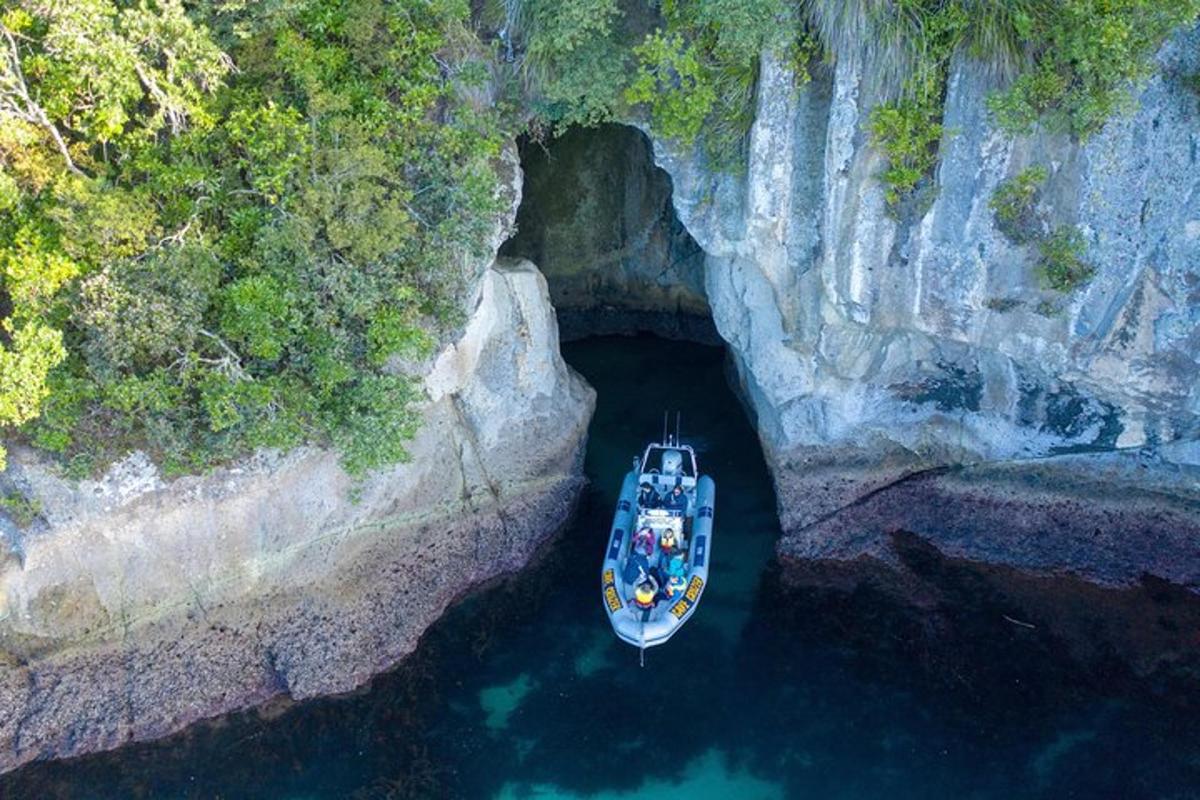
<point>523,692</point>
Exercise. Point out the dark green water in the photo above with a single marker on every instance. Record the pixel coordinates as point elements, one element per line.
<point>523,691</point>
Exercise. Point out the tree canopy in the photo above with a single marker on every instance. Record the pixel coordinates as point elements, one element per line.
<point>222,220</point>
<point>227,224</point>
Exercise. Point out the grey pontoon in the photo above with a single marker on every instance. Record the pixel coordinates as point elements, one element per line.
<point>660,545</point>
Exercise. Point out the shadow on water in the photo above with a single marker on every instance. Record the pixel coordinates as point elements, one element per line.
<point>768,692</point>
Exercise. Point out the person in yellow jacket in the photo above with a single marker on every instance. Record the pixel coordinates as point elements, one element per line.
<point>645,592</point>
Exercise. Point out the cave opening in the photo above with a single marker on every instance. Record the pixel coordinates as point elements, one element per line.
<point>596,218</point>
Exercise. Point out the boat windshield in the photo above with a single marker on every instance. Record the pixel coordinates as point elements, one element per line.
<point>669,460</point>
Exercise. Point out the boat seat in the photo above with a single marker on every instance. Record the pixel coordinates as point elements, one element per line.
<point>663,483</point>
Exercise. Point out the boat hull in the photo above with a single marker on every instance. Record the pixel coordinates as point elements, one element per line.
<point>648,628</point>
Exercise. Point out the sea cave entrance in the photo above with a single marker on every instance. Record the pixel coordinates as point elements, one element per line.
<point>596,218</point>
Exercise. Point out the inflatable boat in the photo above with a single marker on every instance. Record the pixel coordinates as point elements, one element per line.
<point>660,545</point>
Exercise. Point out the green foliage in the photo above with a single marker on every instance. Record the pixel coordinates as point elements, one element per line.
<point>25,362</point>
<point>671,79</point>
<point>576,59</point>
<point>698,76</point>
<point>909,132</point>
<point>134,312</point>
<point>801,51</point>
<point>1002,305</point>
<point>271,142</point>
<point>258,316</point>
<point>1061,263</point>
<point>909,129</point>
<point>1086,56</point>
<point>200,261</point>
<point>370,422</point>
<point>394,331</point>
<point>1013,204</point>
<point>21,509</point>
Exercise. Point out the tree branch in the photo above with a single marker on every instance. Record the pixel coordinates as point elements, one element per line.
<point>14,86</point>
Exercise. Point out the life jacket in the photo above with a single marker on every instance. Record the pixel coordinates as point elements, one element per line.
<point>643,595</point>
<point>668,539</point>
<point>675,585</point>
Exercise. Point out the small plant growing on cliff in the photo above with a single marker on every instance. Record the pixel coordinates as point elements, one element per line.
<point>1002,305</point>
<point>1062,265</point>
<point>23,510</point>
<point>1014,205</point>
<point>908,132</point>
<point>671,79</point>
<point>1048,309</point>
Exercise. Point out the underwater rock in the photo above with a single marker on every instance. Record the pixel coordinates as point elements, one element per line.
<point>1099,552</point>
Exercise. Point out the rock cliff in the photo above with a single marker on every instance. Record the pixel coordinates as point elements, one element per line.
<point>871,344</point>
<point>138,605</point>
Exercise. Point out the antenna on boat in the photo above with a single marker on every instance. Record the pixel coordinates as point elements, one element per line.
<point>678,416</point>
<point>664,436</point>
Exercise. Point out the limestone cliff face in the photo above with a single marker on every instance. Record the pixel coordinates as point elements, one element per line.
<point>863,338</point>
<point>139,605</point>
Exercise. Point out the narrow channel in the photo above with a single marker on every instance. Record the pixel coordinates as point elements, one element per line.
<point>522,691</point>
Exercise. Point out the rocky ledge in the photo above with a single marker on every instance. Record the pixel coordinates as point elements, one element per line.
<point>1107,518</point>
<point>139,605</point>
<point>1097,555</point>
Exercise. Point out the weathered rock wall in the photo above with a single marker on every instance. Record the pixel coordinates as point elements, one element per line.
<point>871,344</point>
<point>875,347</point>
<point>139,605</point>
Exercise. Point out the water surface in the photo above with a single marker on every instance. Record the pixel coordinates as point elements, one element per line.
<point>523,691</point>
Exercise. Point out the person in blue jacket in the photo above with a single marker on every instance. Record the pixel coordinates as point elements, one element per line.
<point>676,500</point>
<point>676,576</point>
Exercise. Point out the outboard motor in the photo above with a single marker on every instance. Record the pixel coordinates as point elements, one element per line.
<point>672,463</point>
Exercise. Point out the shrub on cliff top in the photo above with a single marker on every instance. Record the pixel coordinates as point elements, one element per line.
<point>575,58</point>
<point>198,260</point>
<point>1086,56</point>
<point>697,76</point>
